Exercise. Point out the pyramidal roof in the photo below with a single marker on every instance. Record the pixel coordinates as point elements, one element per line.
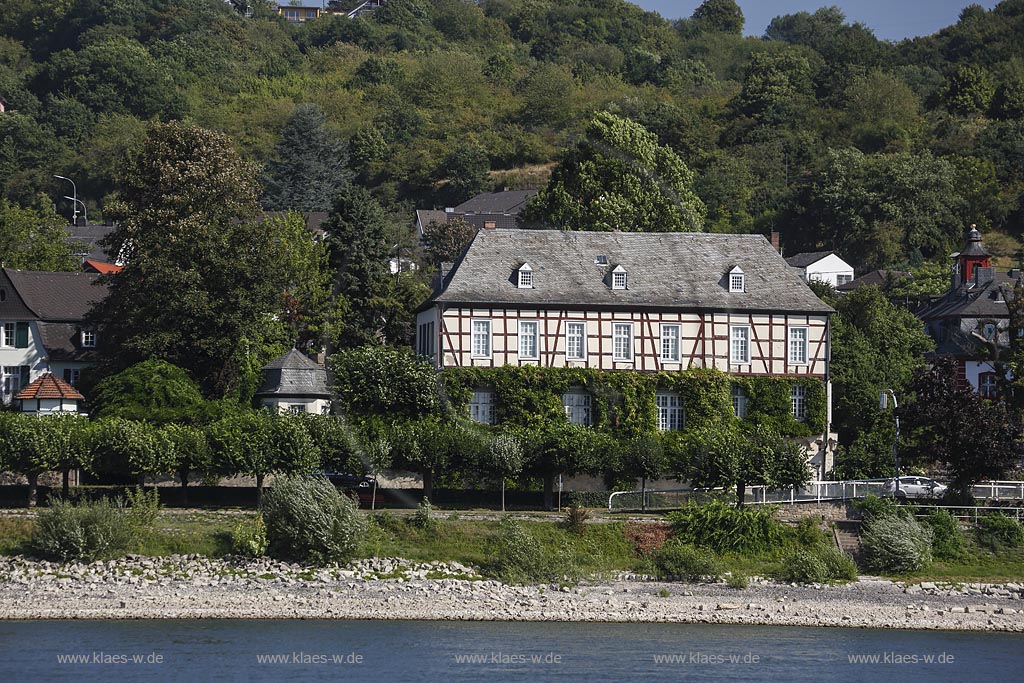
<point>293,360</point>
<point>49,386</point>
<point>294,375</point>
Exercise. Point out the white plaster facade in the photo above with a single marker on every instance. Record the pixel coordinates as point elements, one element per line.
<point>831,269</point>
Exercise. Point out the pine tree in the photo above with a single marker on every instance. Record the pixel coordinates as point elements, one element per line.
<point>311,165</point>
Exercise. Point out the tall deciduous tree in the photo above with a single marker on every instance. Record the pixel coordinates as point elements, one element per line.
<point>33,239</point>
<point>619,178</point>
<point>311,164</point>
<point>719,16</point>
<point>202,276</point>
<point>974,437</point>
<point>28,447</point>
<point>447,240</point>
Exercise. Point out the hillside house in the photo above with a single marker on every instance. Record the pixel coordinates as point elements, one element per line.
<point>823,266</point>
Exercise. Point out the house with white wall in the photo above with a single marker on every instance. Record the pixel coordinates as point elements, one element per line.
<point>823,266</point>
<point>43,328</point>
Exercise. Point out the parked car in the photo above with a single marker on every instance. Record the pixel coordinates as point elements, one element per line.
<point>362,487</point>
<point>915,487</point>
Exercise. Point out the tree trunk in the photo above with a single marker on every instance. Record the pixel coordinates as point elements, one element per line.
<point>549,492</point>
<point>503,494</point>
<point>183,475</point>
<point>33,488</point>
<point>741,493</point>
<point>428,484</point>
<point>259,490</point>
<point>643,494</point>
<point>65,486</point>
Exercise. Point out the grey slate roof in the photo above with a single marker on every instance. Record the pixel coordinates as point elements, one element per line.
<point>664,270</point>
<point>62,342</point>
<point>806,258</point>
<point>294,375</point>
<point>880,278</point>
<point>509,201</point>
<point>85,240</point>
<point>57,296</point>
<point>980,301</point>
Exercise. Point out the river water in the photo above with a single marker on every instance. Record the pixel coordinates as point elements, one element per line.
<point>447,652</point>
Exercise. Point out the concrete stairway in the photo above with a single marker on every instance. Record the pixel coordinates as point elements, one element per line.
<point>847,537</point>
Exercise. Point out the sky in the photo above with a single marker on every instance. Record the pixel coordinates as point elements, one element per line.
<point>889,19</point>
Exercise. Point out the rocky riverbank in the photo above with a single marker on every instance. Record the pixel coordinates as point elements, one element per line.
<point>192,587</point>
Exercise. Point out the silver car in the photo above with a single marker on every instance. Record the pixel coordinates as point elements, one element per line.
<point>915,487</point>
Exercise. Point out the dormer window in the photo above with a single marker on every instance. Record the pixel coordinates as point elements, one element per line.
<point>619,279</point>
<point>737,281</point>
<point>525,276</point>
<point>88,339</point>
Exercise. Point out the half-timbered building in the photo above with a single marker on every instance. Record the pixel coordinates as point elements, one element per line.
<point>644,302</point>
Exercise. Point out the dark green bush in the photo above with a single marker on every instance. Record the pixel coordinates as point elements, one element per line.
<point>997,531</point>
<point>423,517</point>
<point>810,534</point>
<point>677,560</point>
<point>871,506</point>
<point>818,564</point>
<point>89,531</point>
<point>308,520</point>
<point>576,520</point>
<point>896,544</point>
<point>724,528</point>
<point>947,539</point>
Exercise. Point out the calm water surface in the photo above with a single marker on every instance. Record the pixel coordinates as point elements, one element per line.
<point>222,650</point>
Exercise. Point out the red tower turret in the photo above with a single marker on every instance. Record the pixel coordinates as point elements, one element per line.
<point>972,256</point>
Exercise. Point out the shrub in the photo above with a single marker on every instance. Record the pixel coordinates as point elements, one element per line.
<point>804,566</point>
<point>839,565</point>
<point>677,560</point>
<point>521,558</point>
<point>738,581</point>
<point>249,537</point>
<point>896,544</point>
<point>308,520</point>
<point>143,506</point>
<point>94,530</point>
<point>423,517</point>
<point>872,507</point>
<point>576,520</point>
<point>810,534</point>
<point>947,539</point>
<point>589,499</point>
<point>998,531</point>
<point>723,528</point>
<point>647,539</point>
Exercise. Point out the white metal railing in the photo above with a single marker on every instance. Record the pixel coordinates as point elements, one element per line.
<point>815,491</point>
<point>967,513</point>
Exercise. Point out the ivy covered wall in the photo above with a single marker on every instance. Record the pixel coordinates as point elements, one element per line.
<point>623,402</point>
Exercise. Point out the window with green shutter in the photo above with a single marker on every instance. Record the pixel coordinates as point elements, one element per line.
<point>21,336</point>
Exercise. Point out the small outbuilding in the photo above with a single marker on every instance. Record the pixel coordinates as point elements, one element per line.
<point>49,395</point>
<point>293,383</point>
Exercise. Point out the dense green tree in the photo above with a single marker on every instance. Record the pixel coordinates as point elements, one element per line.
<point>153,390</point>
<point>28,447</point>
<point>34,239</point>
<point>504,458</point>
<point>310,165</point>
<point>381,380</point>
<point>191,452</point>
<point>953,425</point>
<point>202,276</point>
<point>722,16</point>
<point>969,89</point>
<point>357,234</point>
<point>619,178</point>
<point>466,172</point>
<point>446,240</point>
<point>129,447</point>
<point>433,447</point>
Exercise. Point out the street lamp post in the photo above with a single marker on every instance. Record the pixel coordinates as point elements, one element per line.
<point>74,199</point>
<point>883,403</point>
<point>85,210</point>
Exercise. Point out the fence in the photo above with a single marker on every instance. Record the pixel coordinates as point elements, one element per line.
<point>816,491</point>
<point>966,513</point>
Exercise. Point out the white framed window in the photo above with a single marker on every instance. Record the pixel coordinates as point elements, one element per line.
<point>575,341</point>
<point>798,397</point>
<point>671,417</point>
<point>619,278</point>
<point>737,281</point>
<point>297,409</point>
<point>72,375</point>
<point>529,348</point>
<point>12,381</point>
<point>88,339</point>
<point>292,14</point>
<point>7,336</point>
<point>481,345</point>
<point>739,344</point>
<point>987,384</point>
<point>622,341</point>
<point>481,407</point>
<point>843,278</point>
<point>670,343</point>
<point>798,345</point>
<point>739,401</point>
<point>577,406</point>
<point>525,276</point>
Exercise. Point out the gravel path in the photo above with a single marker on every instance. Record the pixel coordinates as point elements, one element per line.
<point>192,587</point>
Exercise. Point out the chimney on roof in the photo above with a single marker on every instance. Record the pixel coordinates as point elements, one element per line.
<point>983,276</point>
<point>775,241</point>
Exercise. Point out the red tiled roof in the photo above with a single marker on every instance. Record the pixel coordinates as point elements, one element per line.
<point>49,386</point>
<point>103,268</point>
